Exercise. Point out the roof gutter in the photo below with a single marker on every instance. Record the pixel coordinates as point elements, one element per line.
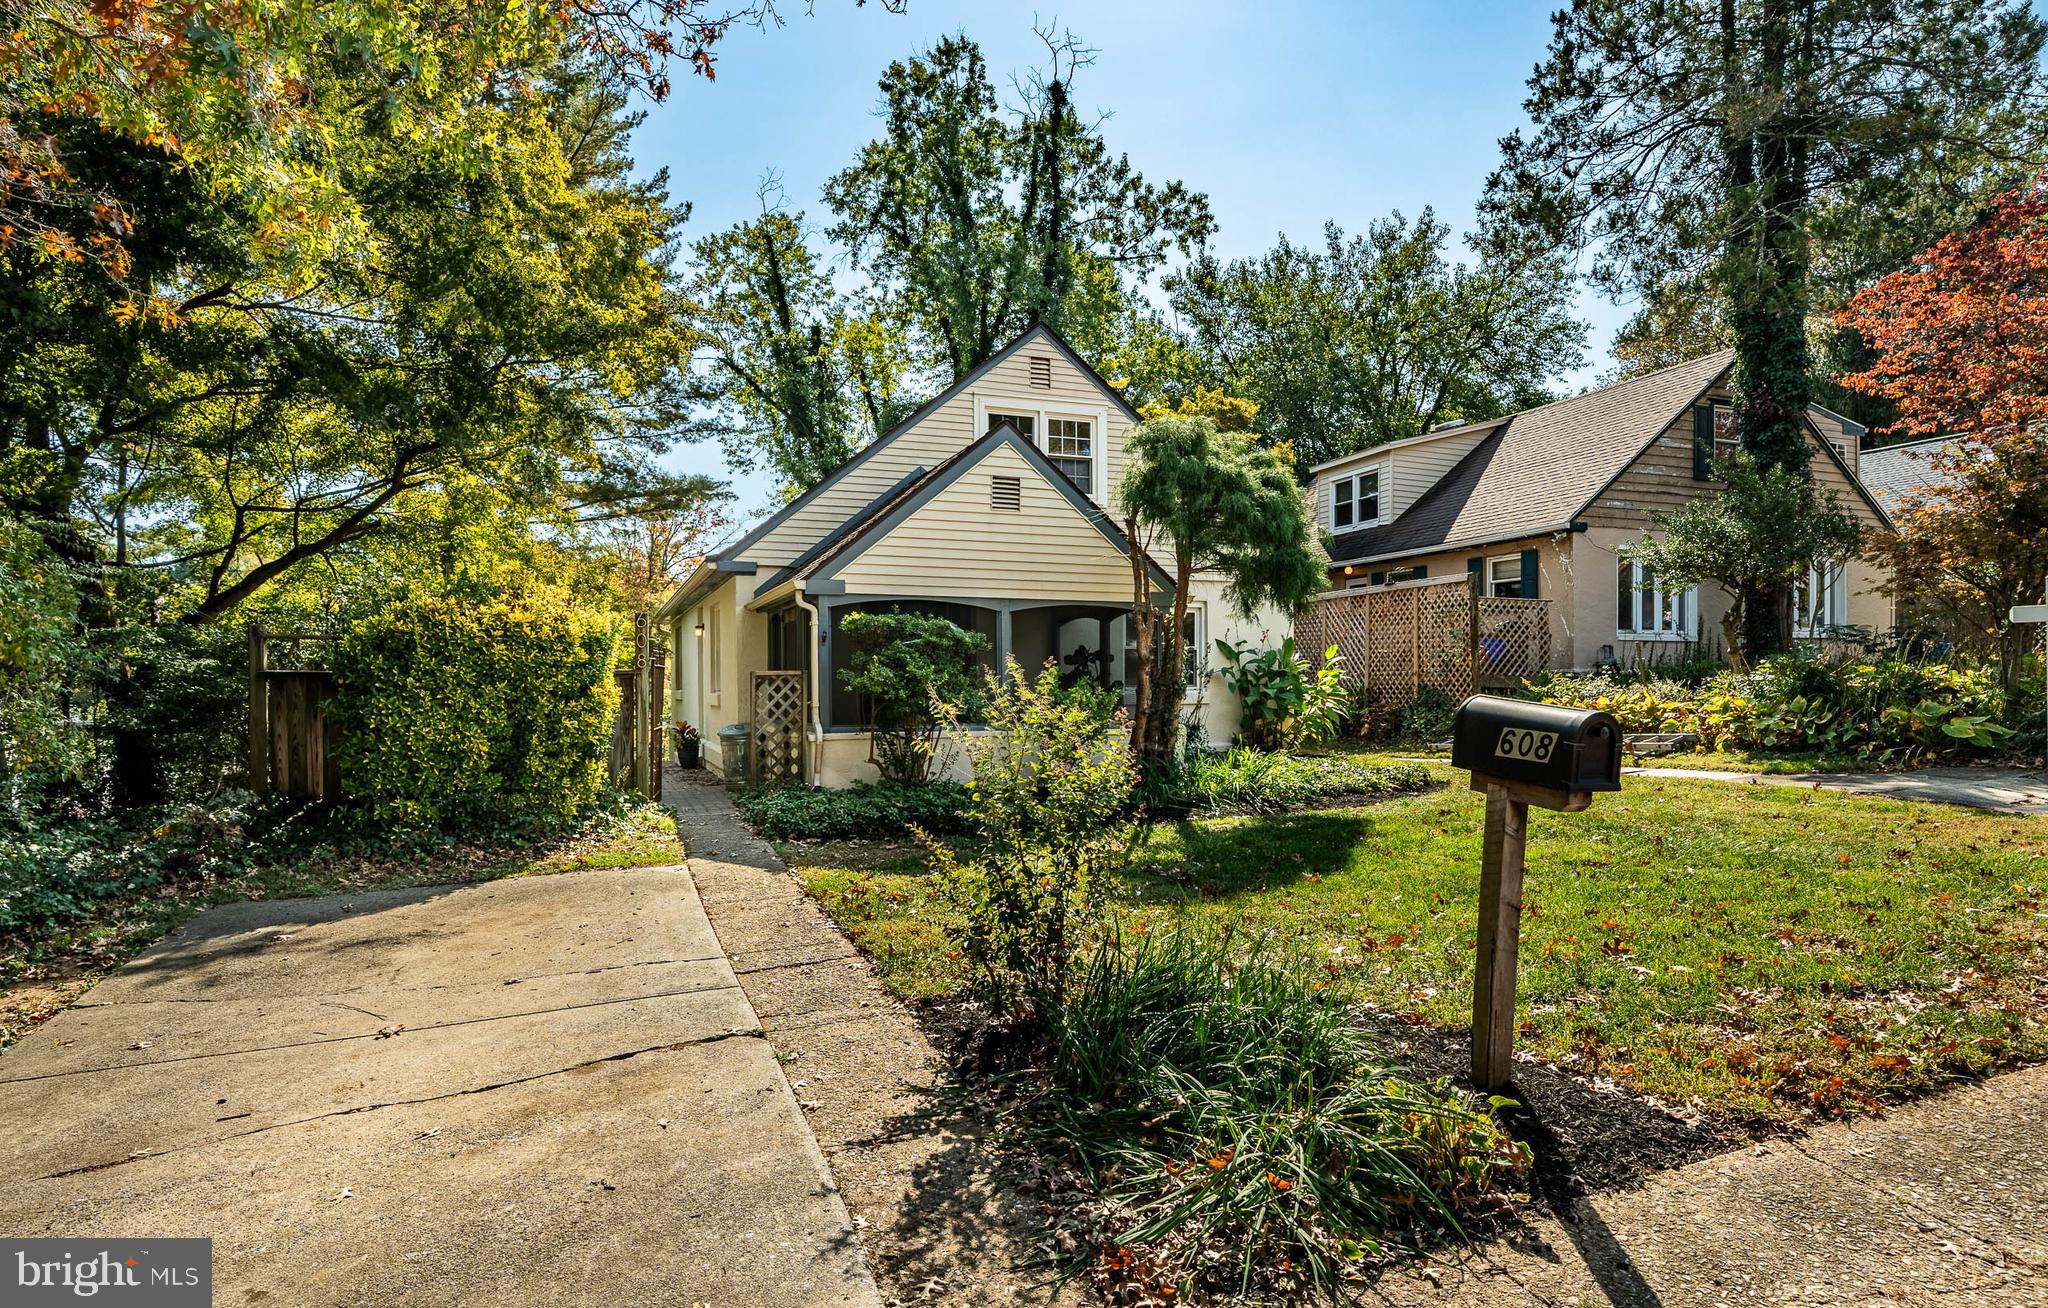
<point>1573,525</point>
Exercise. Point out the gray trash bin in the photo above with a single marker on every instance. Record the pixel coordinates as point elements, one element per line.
<point>735,745</point>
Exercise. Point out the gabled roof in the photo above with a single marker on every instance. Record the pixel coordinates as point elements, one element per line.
<point>1542,468</point>
<point>737,550</point>
<point>1894,471</point>
<point>895,506</point>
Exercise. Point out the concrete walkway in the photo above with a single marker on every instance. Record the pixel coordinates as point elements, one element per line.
<point>2000,790</point>
<point>940,1228</point>
<point>1942,1202</point>
<point>544,1091</point>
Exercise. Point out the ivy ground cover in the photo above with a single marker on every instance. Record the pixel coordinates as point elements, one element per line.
<point>1763,954</point>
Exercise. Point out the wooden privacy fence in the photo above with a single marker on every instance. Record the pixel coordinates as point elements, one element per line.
<point>1442,633</point>
<point>292,740</point>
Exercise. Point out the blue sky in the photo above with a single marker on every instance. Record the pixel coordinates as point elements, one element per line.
<point>1286,114</point>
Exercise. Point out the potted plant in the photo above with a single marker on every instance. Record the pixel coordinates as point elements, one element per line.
<point>689,745</point>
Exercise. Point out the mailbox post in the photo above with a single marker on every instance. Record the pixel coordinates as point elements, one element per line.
<point>1520,754</point>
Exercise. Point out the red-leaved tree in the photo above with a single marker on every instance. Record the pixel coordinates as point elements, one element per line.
<point>1961,339</point>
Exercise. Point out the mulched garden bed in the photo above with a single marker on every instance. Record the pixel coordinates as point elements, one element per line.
<point>1586,1140</point>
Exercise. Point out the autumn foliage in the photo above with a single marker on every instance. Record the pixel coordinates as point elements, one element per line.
<point>1961,339</point>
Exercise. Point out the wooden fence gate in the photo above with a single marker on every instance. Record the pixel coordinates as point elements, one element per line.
<point>1441,633</point>
<point>291,742</point>
<point>778,702</point>
<point>638,732</point>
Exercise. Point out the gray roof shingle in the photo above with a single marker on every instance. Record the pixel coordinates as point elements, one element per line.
<point>1894,471</point>
<point>1541,470</point>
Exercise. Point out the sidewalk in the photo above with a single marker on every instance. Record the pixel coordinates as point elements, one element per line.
<point>1942,1202</point>
<point>2001,790</point>
<point>937,1227</point>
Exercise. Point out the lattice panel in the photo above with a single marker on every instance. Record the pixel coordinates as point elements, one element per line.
<point>1400,638</point>
<point>1514,641</point>
<point>1338,620</point>
<point>778,727</point>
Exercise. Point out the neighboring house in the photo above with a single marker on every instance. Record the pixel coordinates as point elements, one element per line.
<point>987,507</point>
<point>1539,503</point>
<point>1893,472</point>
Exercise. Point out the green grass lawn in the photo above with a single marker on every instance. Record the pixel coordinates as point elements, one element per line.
<point>1768,953</point>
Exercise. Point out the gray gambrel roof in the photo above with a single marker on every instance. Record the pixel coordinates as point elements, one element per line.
<point>1541,469</point>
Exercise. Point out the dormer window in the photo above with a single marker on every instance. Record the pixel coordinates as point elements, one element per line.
<point>1355,500</point>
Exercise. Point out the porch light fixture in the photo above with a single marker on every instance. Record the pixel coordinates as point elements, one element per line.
<point>700,628</point>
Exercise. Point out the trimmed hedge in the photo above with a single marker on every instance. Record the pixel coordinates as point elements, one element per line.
<point>466,716</point>
<point>809,813</point>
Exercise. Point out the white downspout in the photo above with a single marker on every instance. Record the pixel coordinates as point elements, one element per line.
<point>816,696</point>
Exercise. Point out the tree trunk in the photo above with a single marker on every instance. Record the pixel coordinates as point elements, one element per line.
<point>1142,614</point>
<point>1765,269</point>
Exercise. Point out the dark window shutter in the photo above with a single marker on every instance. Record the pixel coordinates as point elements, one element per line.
<point>1702,442</point>
<point>1379,578</point>
<point>1529,575</point>
<point>1476,566</point>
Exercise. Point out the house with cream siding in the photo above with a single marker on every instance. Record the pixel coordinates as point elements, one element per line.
<point>1539,504</point>
<point>988,506</point>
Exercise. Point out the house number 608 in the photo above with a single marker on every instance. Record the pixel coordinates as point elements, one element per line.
<point>1523,744</point>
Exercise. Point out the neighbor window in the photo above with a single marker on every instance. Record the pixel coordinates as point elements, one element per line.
<point>1504,576</point>
<point>1820,600</point>
<point>1355,500</point>
<point>1646,609</point>
<point>1070,443</point>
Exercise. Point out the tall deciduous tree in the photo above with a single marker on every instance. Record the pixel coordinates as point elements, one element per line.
<point>984,221</point>
<point>1961,349</point>
<point>244,93</point>
<point>1216,501</point>
<point>1376,337</point>
<point>797,374</point>
<point>1698,139</point>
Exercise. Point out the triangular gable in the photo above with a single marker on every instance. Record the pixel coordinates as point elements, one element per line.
<point>946,536</point>
<point>1040,331</point>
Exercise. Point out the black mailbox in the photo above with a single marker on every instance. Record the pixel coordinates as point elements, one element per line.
<point>1545,745</point>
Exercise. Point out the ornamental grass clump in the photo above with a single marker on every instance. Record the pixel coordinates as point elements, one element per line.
<point>1242,1131</point>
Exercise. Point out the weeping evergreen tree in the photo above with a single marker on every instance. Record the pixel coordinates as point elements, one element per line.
<point>1220,503</point>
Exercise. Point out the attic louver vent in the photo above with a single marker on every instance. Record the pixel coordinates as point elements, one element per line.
<point>1041,371</point>
<point>1006,493</point>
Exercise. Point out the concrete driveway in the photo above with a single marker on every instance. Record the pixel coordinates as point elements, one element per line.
<point>547,1090</point>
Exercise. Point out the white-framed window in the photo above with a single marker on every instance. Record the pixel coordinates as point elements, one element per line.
<point>1025,423</point>
<point>1646,609</point>
<point>1070,444</point>
<point>1074,441</point>
<point>1820,600</point>
<point>1192,664</point>
<point>1355,500</point>
<point>711,659</point>
<point>1504,576</point>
